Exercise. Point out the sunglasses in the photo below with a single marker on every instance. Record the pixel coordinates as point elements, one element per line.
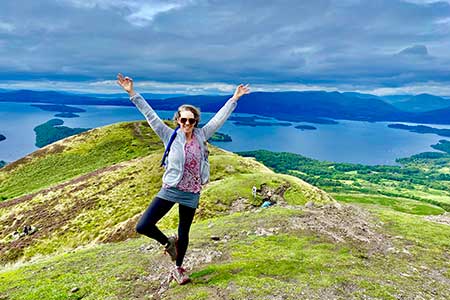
<point>190,120</point>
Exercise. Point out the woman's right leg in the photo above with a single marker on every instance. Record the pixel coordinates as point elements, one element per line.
<point>147,223</point>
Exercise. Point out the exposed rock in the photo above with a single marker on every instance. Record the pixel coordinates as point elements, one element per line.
<point>277,199</point>
<point>266,231</point>
<point>147,248</point>
<point>241,204</point>
<point>442,219</point>
<point>309,204</point>
<point>347,223</point>
<point>230,169</point>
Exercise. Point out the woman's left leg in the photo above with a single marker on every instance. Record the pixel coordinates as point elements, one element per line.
<point>186,216</point>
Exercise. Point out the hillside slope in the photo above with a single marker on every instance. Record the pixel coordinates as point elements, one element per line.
<point>77,155</point>
<point>277,253</point>
<point>104,204</point>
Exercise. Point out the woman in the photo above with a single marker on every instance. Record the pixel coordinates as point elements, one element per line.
<point>187,169</point>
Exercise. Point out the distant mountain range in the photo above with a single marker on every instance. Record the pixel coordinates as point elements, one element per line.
<point>58,98</point>
<point>421,103</point>
<point>411,103</point>
<point>310,106</point>
<point>146,95</point>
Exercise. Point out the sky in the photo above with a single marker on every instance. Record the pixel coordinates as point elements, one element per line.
<point>206,47</point>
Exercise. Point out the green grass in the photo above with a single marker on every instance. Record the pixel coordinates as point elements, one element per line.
<point>100,273</point>
<point>219,195</point>
<point>292,264</point>
<point>431,240</point>
<point>223,165</point>
<point>398,204</point>
<point>75,156</point>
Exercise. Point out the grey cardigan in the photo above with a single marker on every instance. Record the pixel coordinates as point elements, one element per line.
<point>176,158</point>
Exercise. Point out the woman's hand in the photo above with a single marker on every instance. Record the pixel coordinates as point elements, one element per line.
<point>241,90</point>
<point>126,83</point>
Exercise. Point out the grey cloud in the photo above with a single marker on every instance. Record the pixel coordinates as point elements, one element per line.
<point>419,50</point>
<point>360,43</point>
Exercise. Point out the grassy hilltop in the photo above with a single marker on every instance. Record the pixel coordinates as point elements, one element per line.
<point>84,195</point>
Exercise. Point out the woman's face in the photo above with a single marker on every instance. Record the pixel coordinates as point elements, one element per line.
<point>186,121</point>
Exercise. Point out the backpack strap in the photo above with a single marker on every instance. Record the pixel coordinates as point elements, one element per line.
<point>166,152</point>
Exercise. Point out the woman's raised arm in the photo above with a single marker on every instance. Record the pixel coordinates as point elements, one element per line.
<point>222,115</point>
<point>160,128</point>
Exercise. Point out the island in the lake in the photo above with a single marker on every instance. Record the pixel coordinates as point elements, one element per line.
<point>52,131</point>
<point>220,137</point>
<point>305,127</point>
<point>251,121</point>
<point>422,129</point>
<point>246,119</point>
<point>59,108</point>
<point>67,115</point>
<point>305,119</point>
<point>258,118</point>
<point>443,145</point>
<point>255,124</point>
<point>2,137</point>
<point>64,111</point>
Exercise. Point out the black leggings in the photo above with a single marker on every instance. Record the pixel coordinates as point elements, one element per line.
<point>157,209</point>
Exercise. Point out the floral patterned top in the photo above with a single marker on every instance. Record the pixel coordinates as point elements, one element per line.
<point>191,181</point>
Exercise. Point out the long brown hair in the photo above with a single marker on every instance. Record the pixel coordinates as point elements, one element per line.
<point>187,107</point>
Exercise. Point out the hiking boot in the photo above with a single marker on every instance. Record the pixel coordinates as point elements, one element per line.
<point>171,247</point>
<point>179,274</point>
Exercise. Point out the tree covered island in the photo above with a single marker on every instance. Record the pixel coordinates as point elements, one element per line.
<point>52,131</point>
<point>252,121</point>
<point>59,108</point>
<point>422,129</point>
<point>64,111</point>
<point>220,137</point>
<point>305,127</point>
<point>443,145</point>
<point>67,115</point>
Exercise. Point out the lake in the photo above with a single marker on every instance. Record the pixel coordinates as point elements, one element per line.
<point>349,141</point>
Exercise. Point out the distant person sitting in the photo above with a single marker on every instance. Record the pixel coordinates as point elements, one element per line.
<point>187,169</point>
<point>27,229</point>
<point>254,191</point>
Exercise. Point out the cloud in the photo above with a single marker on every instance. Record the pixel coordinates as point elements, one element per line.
<point>137,12</point>
<point>328,43</point>
<point>426,2</point>
<point>146,13</point>
<point>6,27</point>
<point>419,50</point>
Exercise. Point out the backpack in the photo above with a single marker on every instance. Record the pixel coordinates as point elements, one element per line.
<point>166,152</point>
